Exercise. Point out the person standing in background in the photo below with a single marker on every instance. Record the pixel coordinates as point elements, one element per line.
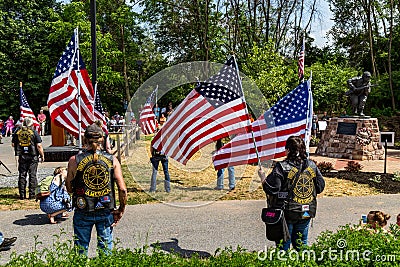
<point>9,126</point>
<point>28,147</point>
<point>42,122</point>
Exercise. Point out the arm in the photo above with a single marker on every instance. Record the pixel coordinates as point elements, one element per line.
<point>319,182</point>
<point>40,149</point>
<point>108,145</point>
<point>273,182</point>
<point>122,192</point>
<point>71,172</point>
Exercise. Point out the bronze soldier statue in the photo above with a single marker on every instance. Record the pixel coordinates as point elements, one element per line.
<point>360,87</point>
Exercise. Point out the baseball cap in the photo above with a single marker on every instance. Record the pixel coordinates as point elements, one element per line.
<point>94,131</point>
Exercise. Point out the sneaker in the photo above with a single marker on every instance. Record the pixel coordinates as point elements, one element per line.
<point>231,189</point>
<point>8,242</point>
<point>218,188</point>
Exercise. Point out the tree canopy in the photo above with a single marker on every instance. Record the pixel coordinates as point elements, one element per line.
<point>136,39</point>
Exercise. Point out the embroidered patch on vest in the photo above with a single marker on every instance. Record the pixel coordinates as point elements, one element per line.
<point>304,187</point>
<point>99,206</point>
<point>81,203</point>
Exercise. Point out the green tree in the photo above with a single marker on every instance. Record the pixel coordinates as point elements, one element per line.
<point>26,49</point>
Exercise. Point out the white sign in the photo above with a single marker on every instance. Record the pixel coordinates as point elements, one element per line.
<point>322,125</point>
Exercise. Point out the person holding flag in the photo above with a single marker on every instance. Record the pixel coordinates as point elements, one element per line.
<point>293,186</point>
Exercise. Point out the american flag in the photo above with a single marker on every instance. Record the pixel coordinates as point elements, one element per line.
<point>301,61</point>
<point>292,115</point>
<point>25,109</point>
<point>148,122</point>
<point>213,110</point>
<point>63,97</point>
<point>99,112</point>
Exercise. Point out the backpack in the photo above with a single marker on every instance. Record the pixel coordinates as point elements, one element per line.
<point>42,189</point>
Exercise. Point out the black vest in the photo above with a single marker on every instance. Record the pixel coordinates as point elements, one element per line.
<point>25,144</point>
<point>301,199</point>
<point>94,182</point>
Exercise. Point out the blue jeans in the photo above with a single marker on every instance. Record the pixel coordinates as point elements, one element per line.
<point>220,178</point>
<point>298,231</point>
<point>83,224</point>
<point>155,161</point>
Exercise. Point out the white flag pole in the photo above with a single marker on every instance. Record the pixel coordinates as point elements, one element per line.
<point>79,90</point>
<point>308,133</point>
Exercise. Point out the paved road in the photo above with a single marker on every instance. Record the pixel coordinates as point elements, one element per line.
<point>192,227</point>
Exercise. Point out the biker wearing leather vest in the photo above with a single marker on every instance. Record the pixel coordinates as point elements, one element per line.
<point>91,176</point>
<point>28,147</point>
<point>293,185</point>
<point>94,182</point>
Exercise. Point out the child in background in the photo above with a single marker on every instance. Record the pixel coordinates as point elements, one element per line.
<point>377,219</point>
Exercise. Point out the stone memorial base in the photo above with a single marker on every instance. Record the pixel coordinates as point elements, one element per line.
<point>354,138</point>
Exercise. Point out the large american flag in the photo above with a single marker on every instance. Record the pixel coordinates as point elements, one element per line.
<point>25,109</point>
<point>292,115</point>
<point>63,97</point>
<point>301,61</point>
<point>213,110</point>
<point>148,122</point>
<point>99,112</point>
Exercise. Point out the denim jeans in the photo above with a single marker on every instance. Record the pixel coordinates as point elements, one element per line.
<point>83,224</point>
<point>27,164</point>
<point>220,178</point>
<point>155,161</point>
<point>298,231</point>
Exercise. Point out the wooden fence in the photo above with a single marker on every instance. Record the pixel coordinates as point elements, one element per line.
<point>125,139</point>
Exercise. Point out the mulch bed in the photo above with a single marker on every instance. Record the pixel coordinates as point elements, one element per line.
<point>386,183</point>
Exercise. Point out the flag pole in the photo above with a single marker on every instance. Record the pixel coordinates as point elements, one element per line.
<point>304,55</point>
<point>20,88</point>
<point>79,90</point>
<point>252,133</point>
<point>310,104</point>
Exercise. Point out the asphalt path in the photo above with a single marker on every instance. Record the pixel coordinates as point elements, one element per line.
<point>194,227</point>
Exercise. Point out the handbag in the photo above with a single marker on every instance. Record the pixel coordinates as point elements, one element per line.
<point>275,223</point>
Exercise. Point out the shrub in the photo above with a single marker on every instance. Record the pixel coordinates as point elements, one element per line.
<point>314,141</point>
<point>325,166</point>
<point>353,166</point>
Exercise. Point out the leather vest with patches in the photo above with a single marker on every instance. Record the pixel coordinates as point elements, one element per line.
<point>25,144</point>
<point>94,182</point>
<point>301,200</point>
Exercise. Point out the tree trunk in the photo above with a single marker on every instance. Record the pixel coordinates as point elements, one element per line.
<point>390,55</point>
<point>127,93</point>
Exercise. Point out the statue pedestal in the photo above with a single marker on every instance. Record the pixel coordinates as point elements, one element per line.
<point>354,138</point>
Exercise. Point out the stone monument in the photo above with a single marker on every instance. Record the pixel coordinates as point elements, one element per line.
<point>356,138</point>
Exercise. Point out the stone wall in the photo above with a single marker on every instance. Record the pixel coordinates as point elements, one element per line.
<point>353,145</point>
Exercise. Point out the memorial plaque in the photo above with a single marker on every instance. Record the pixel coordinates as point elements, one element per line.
<point>346,128</point>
